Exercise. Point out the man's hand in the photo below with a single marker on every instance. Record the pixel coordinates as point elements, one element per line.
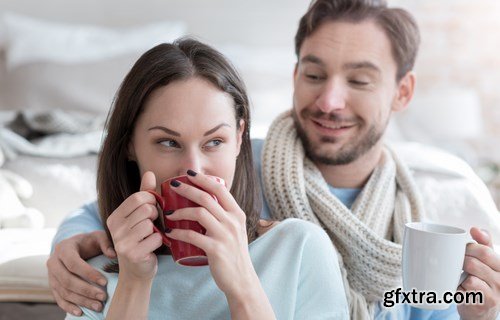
<point>483,265</point>
<point>70,274</point>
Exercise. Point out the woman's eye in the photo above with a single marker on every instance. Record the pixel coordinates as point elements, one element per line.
<point>169,143</point>
<point>213,143</point>
<point>313,77</point>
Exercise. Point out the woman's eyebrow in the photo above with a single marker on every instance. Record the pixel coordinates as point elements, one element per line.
<point>177,134</point>
<point>167,130</point>
<point>216,128</point>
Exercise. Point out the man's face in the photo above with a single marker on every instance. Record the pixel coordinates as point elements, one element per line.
<point>345,89</point>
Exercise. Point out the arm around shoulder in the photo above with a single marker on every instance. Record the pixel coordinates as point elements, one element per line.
<point>83,220</point>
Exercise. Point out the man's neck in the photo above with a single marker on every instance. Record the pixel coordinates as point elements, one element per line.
<point>354,174</point>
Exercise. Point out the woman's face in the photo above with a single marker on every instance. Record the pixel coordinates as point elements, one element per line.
<point>188,124</point>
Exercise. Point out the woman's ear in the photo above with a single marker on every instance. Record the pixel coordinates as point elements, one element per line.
<point>239,135</point>
<point>131,152</point>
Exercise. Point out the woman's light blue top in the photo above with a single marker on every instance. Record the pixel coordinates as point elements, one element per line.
<point>296,264</point>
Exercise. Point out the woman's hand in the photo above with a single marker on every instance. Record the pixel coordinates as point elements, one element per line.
<point>226,241</point>
<point>131,227</point>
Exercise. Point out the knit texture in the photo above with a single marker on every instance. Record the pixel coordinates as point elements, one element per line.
<point>368,237</point>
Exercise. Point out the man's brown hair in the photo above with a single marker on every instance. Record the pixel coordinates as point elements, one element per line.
<point>398,24</point>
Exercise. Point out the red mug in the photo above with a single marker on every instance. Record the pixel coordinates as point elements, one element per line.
<point>183,253</point>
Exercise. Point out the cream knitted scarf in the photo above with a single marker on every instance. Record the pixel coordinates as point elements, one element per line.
<point>368,237</point>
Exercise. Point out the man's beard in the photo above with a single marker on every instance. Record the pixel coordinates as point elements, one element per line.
<point>348,153</point>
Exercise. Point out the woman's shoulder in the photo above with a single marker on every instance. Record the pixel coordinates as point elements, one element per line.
<point>295,240</point>
<point>293,228</point>
<point>295,224</point>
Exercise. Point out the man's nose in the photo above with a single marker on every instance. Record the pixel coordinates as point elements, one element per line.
<point>332,97</point>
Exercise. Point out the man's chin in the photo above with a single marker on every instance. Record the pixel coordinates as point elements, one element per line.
<point>324,153</point>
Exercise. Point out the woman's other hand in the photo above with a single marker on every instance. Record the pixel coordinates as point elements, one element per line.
<point>131,227</point>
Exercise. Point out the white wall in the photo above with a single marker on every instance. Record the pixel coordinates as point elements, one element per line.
<point>256,22</point>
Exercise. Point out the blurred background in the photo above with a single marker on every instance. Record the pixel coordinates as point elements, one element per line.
<point>61,61</point>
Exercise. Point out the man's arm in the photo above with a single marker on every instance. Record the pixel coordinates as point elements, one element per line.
<point>83,220</point>
<point>72,280</point>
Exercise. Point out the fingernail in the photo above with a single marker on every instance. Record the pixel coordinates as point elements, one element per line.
<point>191,173</point>
<point>169,212</point>
<point>485,232</point>
<point>96,306</point>
<point>175,183</point>
<point>102,282</point>
<point>168,230</point>
<point>100,296</point>
<point>77,312</point>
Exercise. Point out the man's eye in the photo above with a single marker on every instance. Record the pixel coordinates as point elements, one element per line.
<point>358,83</point>
<point>169,143</point>
<point>213,143</point>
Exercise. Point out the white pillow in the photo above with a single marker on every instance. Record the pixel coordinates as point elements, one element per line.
<point>60,186</point>
<point>32,40</point>
<point>51,65</point>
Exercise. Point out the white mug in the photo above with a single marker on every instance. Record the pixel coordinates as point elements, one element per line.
<point>433,258</point>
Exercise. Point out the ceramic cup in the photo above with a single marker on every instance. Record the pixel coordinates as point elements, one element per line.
<point>433,258</point>
<point>183,253</point>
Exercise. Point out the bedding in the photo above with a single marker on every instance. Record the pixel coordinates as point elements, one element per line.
<point>59,185</point>
<point>49,65</point>
<point>57,82</point>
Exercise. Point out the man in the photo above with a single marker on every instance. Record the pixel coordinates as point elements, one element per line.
<point>354,69</point>
<point>325,161</point>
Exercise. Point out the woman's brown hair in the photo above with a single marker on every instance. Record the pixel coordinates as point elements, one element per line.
<point>117,176</point>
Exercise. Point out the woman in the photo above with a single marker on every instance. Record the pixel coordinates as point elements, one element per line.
<point>183,109</point>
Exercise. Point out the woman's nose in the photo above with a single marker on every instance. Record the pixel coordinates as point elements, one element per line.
<point>192,160</point>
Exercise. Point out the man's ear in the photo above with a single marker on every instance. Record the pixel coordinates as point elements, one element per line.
<point>405,90</point>
<point>239,135</point>
<point>295,73</point>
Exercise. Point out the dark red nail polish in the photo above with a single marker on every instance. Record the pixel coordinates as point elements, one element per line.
<point>175,183</point>
<point>169,212</point>
<point>191,173</point>
<point>168,230</point>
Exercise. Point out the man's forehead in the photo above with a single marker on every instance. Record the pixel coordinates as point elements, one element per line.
<point>348,65</point>
<point>349,45</point>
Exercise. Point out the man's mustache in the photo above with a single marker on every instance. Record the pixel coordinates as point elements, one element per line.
<point>333,117</point>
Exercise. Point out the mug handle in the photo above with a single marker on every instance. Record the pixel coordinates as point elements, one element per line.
<point>464,274</point>
<point>161,202</point>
